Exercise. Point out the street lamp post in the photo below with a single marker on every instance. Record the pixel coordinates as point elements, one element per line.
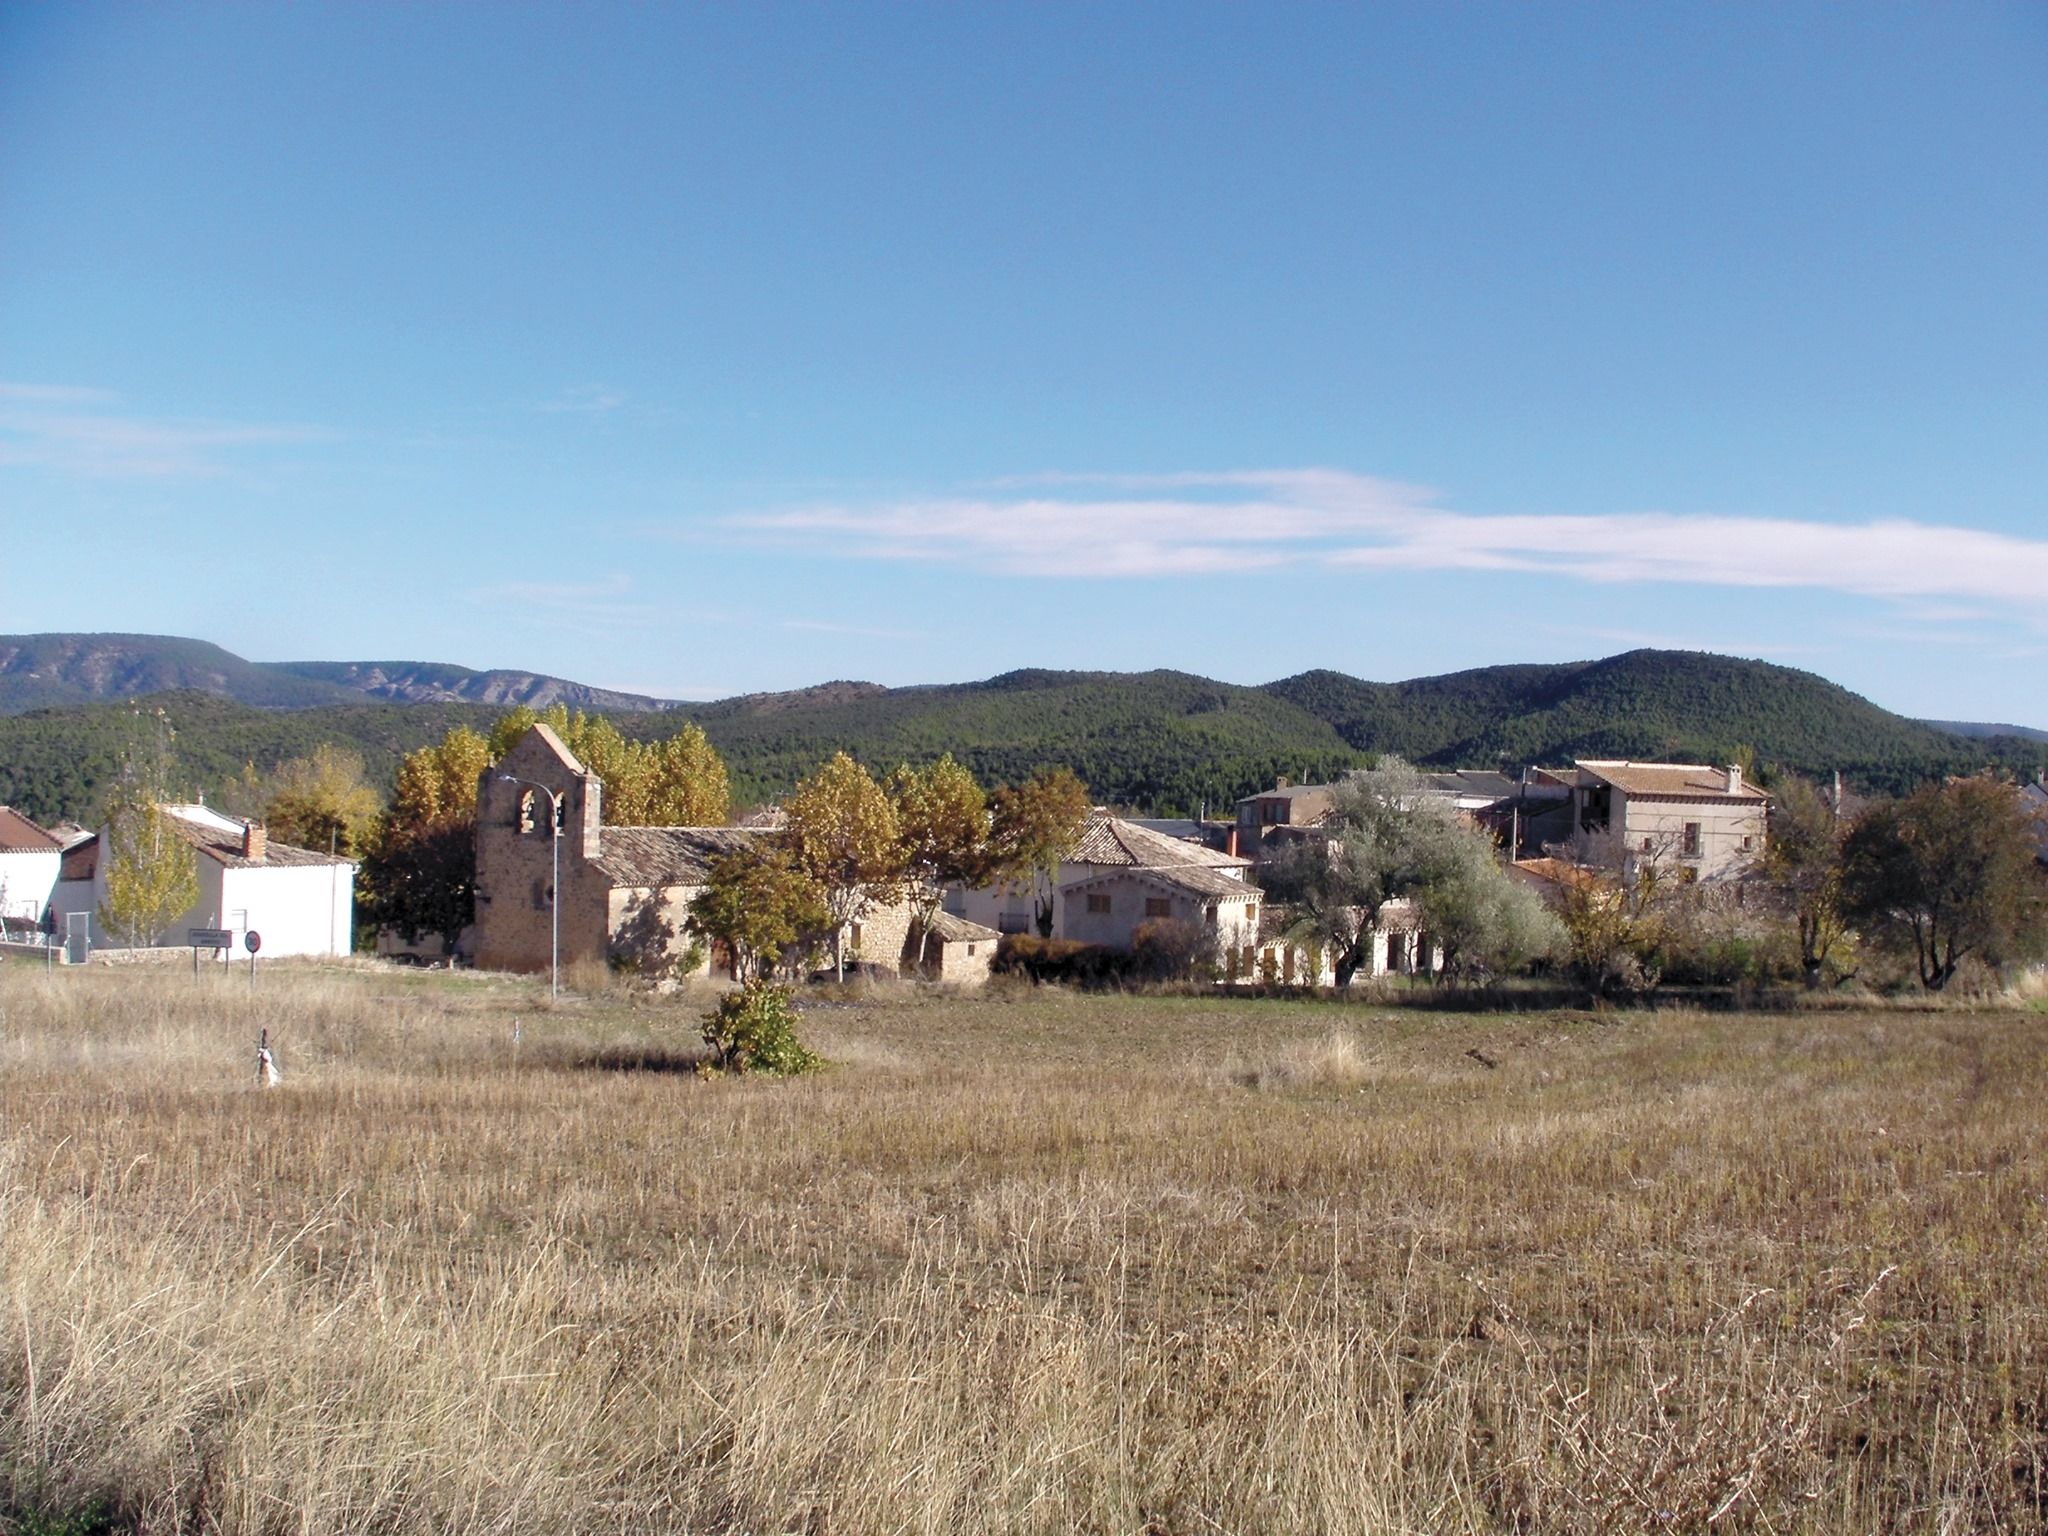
<point>554,883</point>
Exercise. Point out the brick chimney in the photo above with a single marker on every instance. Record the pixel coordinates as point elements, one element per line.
<point>1734,779</point>
<point>255,842</point>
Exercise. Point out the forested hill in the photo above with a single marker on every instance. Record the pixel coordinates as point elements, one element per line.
<point>1161,741</point>
<point>1673,706</point>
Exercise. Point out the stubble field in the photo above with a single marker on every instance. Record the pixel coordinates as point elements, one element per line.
<point>1039,1262</point>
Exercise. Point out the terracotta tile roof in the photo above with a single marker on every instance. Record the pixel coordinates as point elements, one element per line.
<point>20,835</point>
<point>1194,879</point>
<point>1112,840</point>
<point>225,848</point>
<point>653,857</point>
<point>949,928</point>
<point>1685,781</point>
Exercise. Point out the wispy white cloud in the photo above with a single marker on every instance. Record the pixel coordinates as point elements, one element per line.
<point>53,394</point>
<point>69,429</point>
<point>1197,524</point>
<point>584,400</point>
<point>861,631</point>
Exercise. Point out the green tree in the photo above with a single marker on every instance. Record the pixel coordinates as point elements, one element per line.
<point>942,818</point>
<point>762,908</point>
<point>1388,839</point>
<point>1947,873</point>
<point>1483,919</point>
<point>754,1030</point>
<point>842,832</point>
<point>1034,826</point>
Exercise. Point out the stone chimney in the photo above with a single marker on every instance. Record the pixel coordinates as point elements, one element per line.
<point>1734,779</point>
<point>255,842</point>
<point>1280,781</point>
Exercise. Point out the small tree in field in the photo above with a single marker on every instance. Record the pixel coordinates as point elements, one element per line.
<point>152,871</point>
<point>1802,868</point>
<point>754,1030</point>
<point>1947,873</point>
<point>843,833</point>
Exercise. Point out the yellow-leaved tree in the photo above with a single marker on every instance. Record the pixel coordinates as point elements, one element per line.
<point>323,802</point>
<point>942,821</point>
<point>842,832</point>
<point>152,871</point>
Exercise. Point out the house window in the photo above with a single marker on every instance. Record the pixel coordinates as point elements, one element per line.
<point>527,811</point>
<point>1012,922</point>
<point>1251,914</point>
<point>1690,843</point>
<point>970,951</point>
<point>1098,903</point>
<point>1158,906</point>
<point>1210,914</point>
<point>1748,843</point>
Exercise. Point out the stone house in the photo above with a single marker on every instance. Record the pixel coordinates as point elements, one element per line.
<point>1270,815</point>
<point>1706,822</point>
<point>625,891</point>
<point>958,952</point>
<point>1119,876</point>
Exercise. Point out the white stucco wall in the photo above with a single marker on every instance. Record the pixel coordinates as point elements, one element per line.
<point>299,909</point>
<point>26,882</point>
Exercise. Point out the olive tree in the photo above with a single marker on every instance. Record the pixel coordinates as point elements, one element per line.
<point>1948,873</point>
<point>1387,838</point>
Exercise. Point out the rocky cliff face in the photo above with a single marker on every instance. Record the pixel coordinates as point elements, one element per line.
<point>39,671</point>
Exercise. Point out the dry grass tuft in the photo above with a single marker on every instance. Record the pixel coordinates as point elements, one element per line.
<point>1012,1265</point>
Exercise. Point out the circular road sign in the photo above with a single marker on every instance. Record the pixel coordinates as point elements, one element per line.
<point>252,941</point>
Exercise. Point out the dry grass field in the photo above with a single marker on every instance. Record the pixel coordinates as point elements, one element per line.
<point>1040,1262</point>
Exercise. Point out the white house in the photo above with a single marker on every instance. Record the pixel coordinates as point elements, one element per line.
<point>299,901</point>
<point>29,862</point>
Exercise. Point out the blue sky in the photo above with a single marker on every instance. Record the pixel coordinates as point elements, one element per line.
<point>699,350</point>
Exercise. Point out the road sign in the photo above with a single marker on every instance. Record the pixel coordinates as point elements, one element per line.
<point>210,938</point>
<point>252,941</point>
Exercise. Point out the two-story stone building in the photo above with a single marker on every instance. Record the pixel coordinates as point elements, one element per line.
<point>1708,822</point>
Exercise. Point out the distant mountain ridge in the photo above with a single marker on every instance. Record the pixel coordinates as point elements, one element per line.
<point>1987,728</point>
<point>42,671</point>
<point>1164,741</point>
